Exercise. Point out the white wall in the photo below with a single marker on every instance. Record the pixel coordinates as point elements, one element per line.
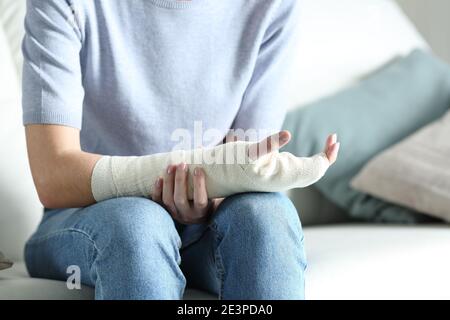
<point>432,18</point>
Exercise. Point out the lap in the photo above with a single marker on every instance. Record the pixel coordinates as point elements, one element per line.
<point>76,236</point>
<point>248,214</point>
<point>144,215</point>
<point>105,216</point>
<point>246,208</point>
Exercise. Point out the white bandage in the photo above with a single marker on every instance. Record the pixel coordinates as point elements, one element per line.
<point>227,167</point>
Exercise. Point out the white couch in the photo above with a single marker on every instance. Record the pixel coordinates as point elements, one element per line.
<point>340,42</point>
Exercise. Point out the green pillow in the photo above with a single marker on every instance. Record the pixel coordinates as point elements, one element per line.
<point>381,110</point>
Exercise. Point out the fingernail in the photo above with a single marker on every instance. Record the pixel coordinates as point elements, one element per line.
<point>169,170</point>
<point>335,137</point>
<point>195,172</point>
<point>158,183</point>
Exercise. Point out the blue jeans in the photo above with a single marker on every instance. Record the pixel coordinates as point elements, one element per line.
<point>131,248</point>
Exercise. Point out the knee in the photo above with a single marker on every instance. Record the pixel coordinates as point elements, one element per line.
<point>133,225</point>
<point>260,213</point>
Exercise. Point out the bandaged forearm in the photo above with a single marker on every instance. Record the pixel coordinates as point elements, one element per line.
<point>228,170</point>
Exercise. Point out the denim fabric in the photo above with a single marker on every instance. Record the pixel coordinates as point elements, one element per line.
<point>131,248</point>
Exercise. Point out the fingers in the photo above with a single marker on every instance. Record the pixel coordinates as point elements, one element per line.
<point>200,193</point>
<point>269,144</point>
<point>168,189</point>
<point>172,193</point>
<point>180,193</point>
<point>157,191</point>
<point>332,139</point>
<point>332,148</point>
<point>230,137</point>
<point>332,153</point>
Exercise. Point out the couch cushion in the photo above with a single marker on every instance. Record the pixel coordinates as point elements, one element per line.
<point>341,41</point>
<point>12,13</point>
<point>381,110</point>
<point>344,262</point>
<point>414,173</point>
<point>315,209</point>
<point>378,262</point>
<point>20,209</point>
<point>15,284</point>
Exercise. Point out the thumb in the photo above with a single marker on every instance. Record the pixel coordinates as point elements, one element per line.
<point>269,144</point>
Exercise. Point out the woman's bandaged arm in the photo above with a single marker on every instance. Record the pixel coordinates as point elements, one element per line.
<point>228,170</point>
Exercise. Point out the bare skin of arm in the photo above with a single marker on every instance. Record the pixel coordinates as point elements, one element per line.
<point>61,170</point>
<point>62,173</point>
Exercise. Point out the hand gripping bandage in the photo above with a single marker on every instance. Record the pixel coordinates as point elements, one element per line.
<point>228,169</point>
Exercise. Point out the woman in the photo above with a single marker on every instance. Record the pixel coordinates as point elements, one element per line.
<point>114,77</point>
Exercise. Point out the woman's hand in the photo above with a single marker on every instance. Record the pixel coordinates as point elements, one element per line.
<point>332,148</point>
<point>171,191</point>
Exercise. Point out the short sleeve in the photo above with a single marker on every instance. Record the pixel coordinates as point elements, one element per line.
<point>52,78</point>
<point>265,99</point>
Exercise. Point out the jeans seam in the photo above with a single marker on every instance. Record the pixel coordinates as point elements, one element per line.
<point>33,241</point>
<point>55,233</point>
<point>218,261</point>
<point>98,280</point>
